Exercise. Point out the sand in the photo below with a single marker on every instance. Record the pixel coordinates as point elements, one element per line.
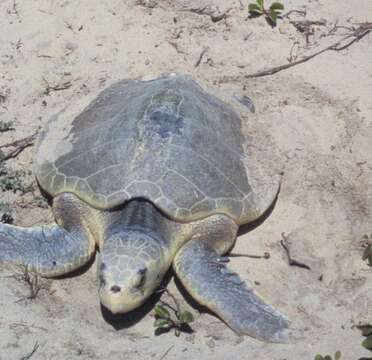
<point>317,117</point>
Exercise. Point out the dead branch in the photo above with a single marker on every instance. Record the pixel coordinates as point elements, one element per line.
<point>58,87</point>
<point>266,255</point>
<point>31,279</point>
<point>336,27</point>
<point>291,261</point>
<point>293,53</point>
<point>28,356</point>
<point>201,56</point>
<point>357,34</point>
<point>206,10</point>
<point>303,25</point>
<point>306,27</point>
<point>167,352</point>
<point>18,145</point>
<point>298,12</point>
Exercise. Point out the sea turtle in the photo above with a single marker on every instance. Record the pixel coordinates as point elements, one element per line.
<point>152,173</point>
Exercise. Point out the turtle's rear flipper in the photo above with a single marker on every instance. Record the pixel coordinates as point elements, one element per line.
<point>207,279</point>
<point>47,250</point>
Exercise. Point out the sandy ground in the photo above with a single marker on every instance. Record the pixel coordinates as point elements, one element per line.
<point>317,115</point>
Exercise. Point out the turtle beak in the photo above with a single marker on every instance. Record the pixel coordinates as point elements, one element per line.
<point>113,298</point>
<point>122,296</point>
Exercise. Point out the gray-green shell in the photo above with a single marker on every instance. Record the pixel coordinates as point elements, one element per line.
<point>165,140</point>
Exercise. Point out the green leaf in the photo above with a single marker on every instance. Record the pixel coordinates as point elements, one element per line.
<point>186,317</point>
<point>367,343</point>
<point>366,330</point>
<point>327,357</point>
<point>161,312</point>
<point>367,252</point>
<point>277,6</point>
<point>337,355</point>
<point>260,3</point>
<point>273,16</point>
<point>161,323</point>
<point>254,9</point>
<point>6,125</point>
<point>318,357</point>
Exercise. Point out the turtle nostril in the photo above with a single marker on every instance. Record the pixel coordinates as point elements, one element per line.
<point>115,289</point>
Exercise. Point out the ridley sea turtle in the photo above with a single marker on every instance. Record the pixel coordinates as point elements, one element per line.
<point>153,174</point>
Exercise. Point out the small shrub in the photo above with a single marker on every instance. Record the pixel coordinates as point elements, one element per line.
<point>6,126</point>
<point>367,332</point>
<point>168,317</point>
<point>367,253</point>
<point>11,180</point>
<point>337,356</point>
<point>5,213</point>
<point>32,280</point>
<point>271,14</point>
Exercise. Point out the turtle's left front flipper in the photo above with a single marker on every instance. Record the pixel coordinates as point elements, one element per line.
<point>203,273</point>
<point>47,250</point>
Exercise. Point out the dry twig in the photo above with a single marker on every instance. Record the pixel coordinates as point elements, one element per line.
<point>18,145</point>
<point>266,255</point>
<point>293,53</point>
<point>306,26</point>
<point>298,12</point>
<point>291,261</point>
<point>31,279</point>
<point>201,56</point>
<point>49,88</point>
<point>358,33</point>
<point>206,10</point>
<point>167,352</point>
<point>28,356</point>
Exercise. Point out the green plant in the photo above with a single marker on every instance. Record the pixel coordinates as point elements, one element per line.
<point>11,180</point>
<point>367,253</point>
<point>168,317</point>
<point>367,332</point>
<point>5,213</point>
<point>271,14</point>
<point>6,126</point>
<point>32,280</point>
<point>337,356</point>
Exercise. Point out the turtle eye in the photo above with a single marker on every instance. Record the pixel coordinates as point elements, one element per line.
<point>140,278</point>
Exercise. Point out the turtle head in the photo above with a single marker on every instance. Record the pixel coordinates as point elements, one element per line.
<point>132,264</point>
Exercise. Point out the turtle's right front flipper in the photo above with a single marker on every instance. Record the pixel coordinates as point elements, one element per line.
<point>47,250</point>
<point>203,273</point>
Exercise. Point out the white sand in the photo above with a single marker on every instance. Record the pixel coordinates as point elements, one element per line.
<point>318,115</point>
